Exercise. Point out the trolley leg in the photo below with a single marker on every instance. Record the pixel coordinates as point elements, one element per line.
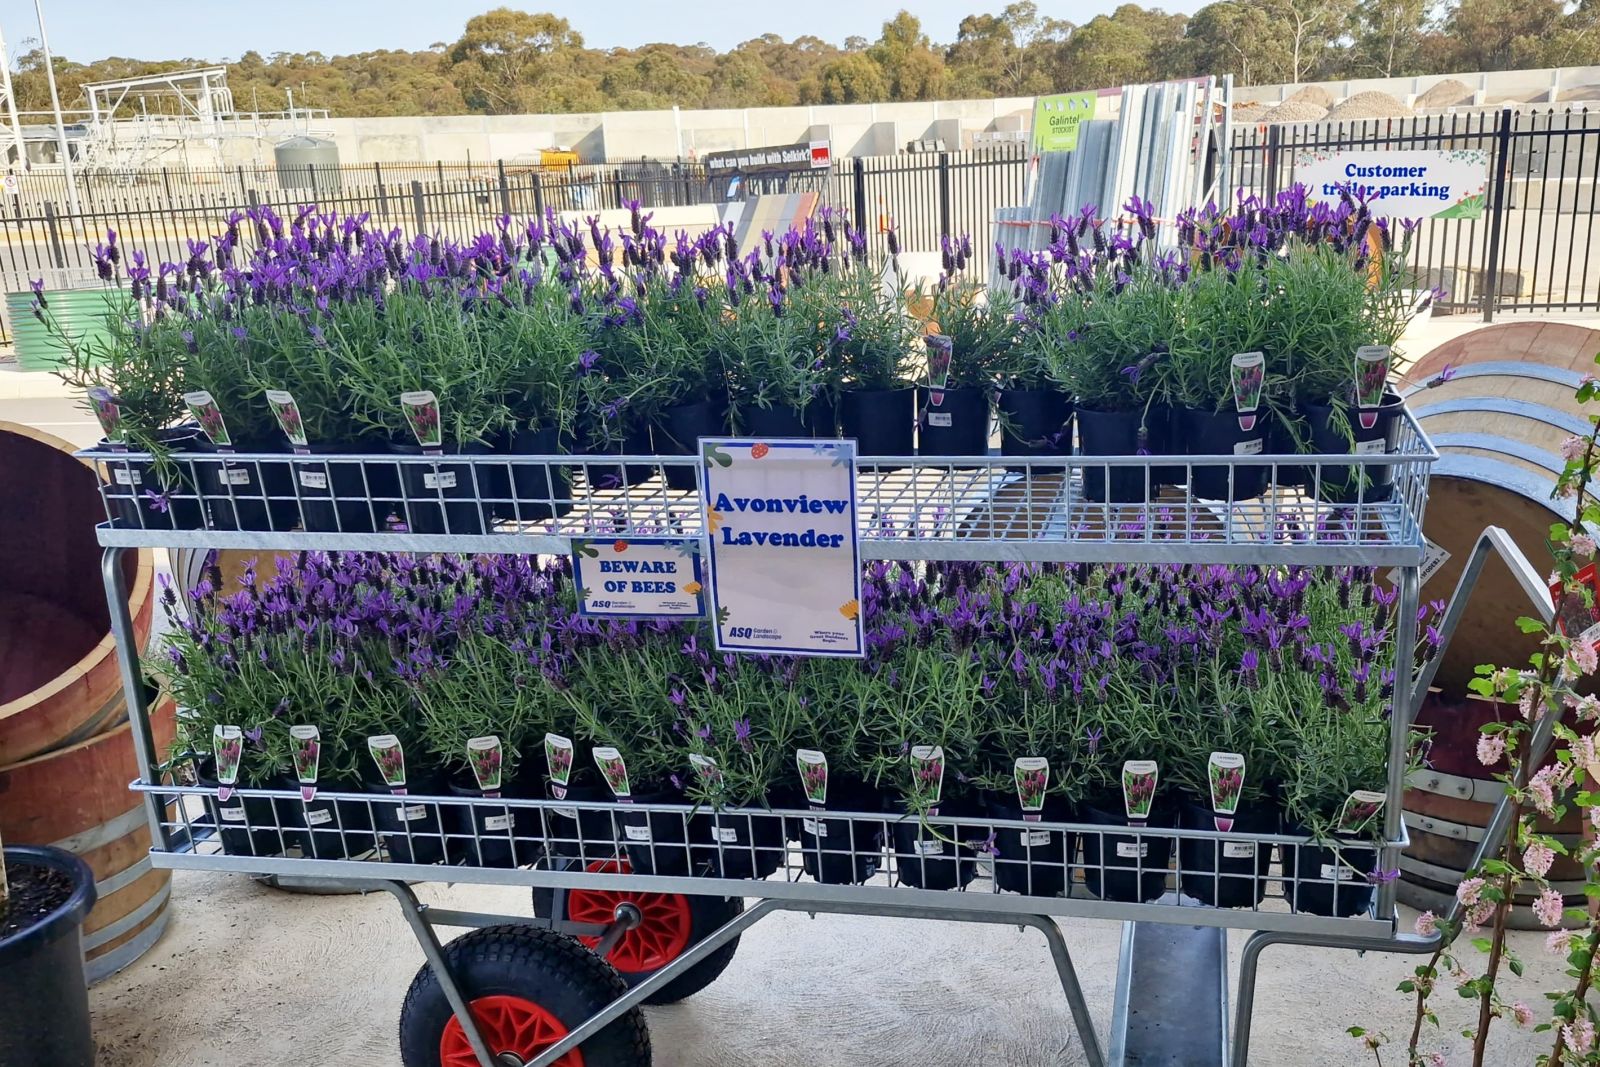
<point>128,654</point>
<point>1069,985</point>
<point>434,954</point>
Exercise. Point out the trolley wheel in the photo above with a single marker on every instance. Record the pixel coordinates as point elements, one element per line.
<point>527,988</point>
<point>671,923</point>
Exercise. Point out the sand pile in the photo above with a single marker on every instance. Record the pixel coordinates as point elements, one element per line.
<point>1582,92</point>
<point>1447,93</point>
<point>1310,94</point>
<point>1250,112</point>
<point>1294,111</point>
<point>1370,105</point>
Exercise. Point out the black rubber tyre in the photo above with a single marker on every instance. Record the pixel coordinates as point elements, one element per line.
<point>553,972</point>
<point>706,915</point>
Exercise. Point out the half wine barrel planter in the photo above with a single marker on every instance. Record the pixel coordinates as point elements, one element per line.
<point>77,799</point>
<point>1498,424</point>
<point>59,682</point>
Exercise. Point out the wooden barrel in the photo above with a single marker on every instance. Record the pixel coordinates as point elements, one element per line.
<point>77,798</point>
<point>1498,425</point>
<point>59,681</point>
<point>1448,803</point>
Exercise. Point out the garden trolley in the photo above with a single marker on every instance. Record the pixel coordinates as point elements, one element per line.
<point>530,989</point>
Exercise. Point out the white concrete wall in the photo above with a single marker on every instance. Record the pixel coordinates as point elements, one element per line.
<point>1491,89</point>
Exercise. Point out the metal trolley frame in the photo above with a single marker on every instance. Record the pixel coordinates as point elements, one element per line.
<point>968,508</point>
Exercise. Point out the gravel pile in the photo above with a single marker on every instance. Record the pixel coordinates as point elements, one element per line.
<point>1447,93</point>
<point>1294,111</point>
<point>1250,112</point>
<point>1369,105</point>
<point>1581,92</point>
<point>1310,94</point>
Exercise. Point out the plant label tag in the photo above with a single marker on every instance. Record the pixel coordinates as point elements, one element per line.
<point>231,812</point>
<point>1434,557</point>
<point>1130,850</point>
<point>390,757</point>
<point>439,480</point>
<point>558,761</point>
<point>1238,850</point>
<point>421,409</point>
<point>1333,872</point>
<point>313,479</point>
<point>227,748</point>
<point>614,769</point>
<point>307,758</point>
<point>941,351</point>
<point>567,813</point>
<point>814,827</point>
<point>1225,770</point>
<point>727,835</point>
<point>1253,447</point>
<point>484,754</point>
<point>127,476</point>
<point>1247,371</point>
<point>942,420</point>
<point>1575,616</point>
<point>204,410</point>
<point>813,767</point>
<point>1360,808</point>
<point>1035,838</point>
<point>636,833</point>
<point>497,822</point>
<point>1032,775</point>
<point>1139,778</point>
<point>287,413</point>
<point>930,848</point>
<point>413,812</point>
<point>318,816</point>
<point>1376,447</point>
<point>927,775</point>
<point>108,413</point>
<point>705,770</point>
<point>1372,375</point>
<point>236,475</point>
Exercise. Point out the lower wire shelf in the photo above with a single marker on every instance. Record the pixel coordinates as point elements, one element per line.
<point>949,863</point>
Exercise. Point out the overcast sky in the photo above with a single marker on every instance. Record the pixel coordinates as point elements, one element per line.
<point>223,29</point>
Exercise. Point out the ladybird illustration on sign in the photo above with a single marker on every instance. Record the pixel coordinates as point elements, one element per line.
<point>227,749</point>
<point>648,577</point>
<point>307,759</point>
<point>1372,375</point>
<point>1248,372</point>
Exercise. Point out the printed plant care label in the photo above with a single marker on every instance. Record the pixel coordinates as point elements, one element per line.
<point>231,813</point>
<point>567,813</point>
<point>1253,447</point>
<point>484,754</point>
<point>204,410</point>
<point>1434,557</point>
<point>1225,771</point>
<point>1035,838</point>
<point>1032,775</point>
<point>813,767</point>
<point>705,770</point>
<point>1375,447</point>
<point>941,351</point>
<point>439,480</point>
<point>1238,850</point>
<point>940,419</point>
<point>1360,808</point>
<point>497,822</point>
<point>313,479</point>
<point>391,760</point>
<point>421,409</point>
<point>413,812</point>
<point>930,848</point>
<point>815,827</point>
<point>127,476</point>
<point>1139,777</point>
<point>727,835</point>
<point>636,833</point>
<point>236,475</point>
<point>227,748</point>
<point>108,413</point>
<point>1130,850</point>
<point>307,748</point>
<point>927,775</point>
<point>614,770</point>
<point>558,763</point>
<point>1248,372</point>
<point>1333,872</point>
<point>318,816</point>
<point>287,414</point>
<point>1372,375</point>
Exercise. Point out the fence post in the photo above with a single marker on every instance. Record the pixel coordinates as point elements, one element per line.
<point>383,197</point>
<point>1270,162</point>
<point>505,190</point>
<point>58,254</point>
<point>240,170</point>
<point>538,195</point>
<point>417,205</point>
<point>1497,194</point>
<point>944,194</point>
<point>616,180</point>
<point>859,180</point>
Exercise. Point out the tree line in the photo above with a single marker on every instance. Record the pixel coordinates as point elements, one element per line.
<point>516,62</point>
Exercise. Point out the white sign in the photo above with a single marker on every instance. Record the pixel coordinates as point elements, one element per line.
<point>1435,557</point>
<point>784,570</point>
<point>1401,184</point>
<point>648,576</point>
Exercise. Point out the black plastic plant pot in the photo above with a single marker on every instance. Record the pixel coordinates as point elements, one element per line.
<point>334,829</point>
<point>658,841</point>
<point>1135,864</point>
<point>439,495</point>
<point>740,844</point>
<point>487,834</point>
<point>956,426</point>
<point>1346,485</point>
<point>678,431</point>
<point>1208,433</point>
<point>1164,437</point>
<point>930,853</point>
<point>1329,881</point>
<point>411,827</point>
<point>609,476</point>
<point>245,494</point>
<point>818,420</point>
<point>342,495</point>
<point>133,481</point>
<point>44,995</point>
<point>1281,442</point>
<point>583,833</point>
<point>538,491</point>
<point>1035,422</point>
<point>838,851</point>
<point>882,421</point>
<point>247,825</point>
<point>1036,861</point>
<point>1238,877</point>
<point>1112,433</point>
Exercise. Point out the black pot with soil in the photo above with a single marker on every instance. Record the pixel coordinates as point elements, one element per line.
<point>486,834</point>
<point>44,995</point>
<point>247,825</point>
<point>589,832</point>
<point>658,841</point>
<point>820,419</point>
<point>1035,861</point>
<point>1035,422</point>
<point>412,827</point>
<point>442,497</point>
<point>341,494</point>
<point>332,829</point>
<point>1236,875</point>
<point>931,853</point>
<point>1369,483</point>
<point>837,851</point>
<point>956,426</point>
<point>241,494</point>
<point>137,496</point>
<point>1113,433</point>
<point>740,843</point>
<point>1164,437</point>
<point>1281,442</point>
<point>1208,433</point>
<point>1329,880</point>
<point>539,491</point>
<point>1134,864</point>
<point>677,432</point>
<point>607,477</point>
<point>882,421</point>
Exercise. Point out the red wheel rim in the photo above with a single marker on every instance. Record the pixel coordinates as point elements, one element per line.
<point>666,922</point>
<point>508,1024</point>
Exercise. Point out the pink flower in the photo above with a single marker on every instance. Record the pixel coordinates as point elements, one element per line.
<point>1469,890</point>
<point>1543,786</point>
<point>1579,1036</point>
<point>1436,1059</point>
<point>1560,941</point>
<point>1477,915</point>
<point>1427,924</point>
<point>1491,748</point>
<point>1574,447</point>
<point>1587,708</point>
<point>1582,545</point>
<point>1548,907</point>
<point>1522,1013</point>
<point>1537,858</point>
<point>1526,700</point>
<point>1584,657</point>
